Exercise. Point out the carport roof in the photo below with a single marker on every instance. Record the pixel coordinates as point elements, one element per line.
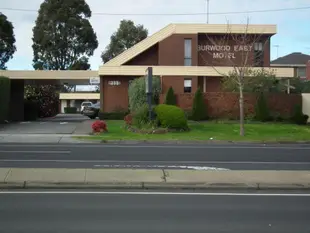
<point>49,74</point>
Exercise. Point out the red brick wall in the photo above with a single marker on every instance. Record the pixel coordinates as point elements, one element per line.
<point>226,104</point>
<point>114,98</point>
<point>308,70</point>
<point>205,58</point>
<point>171,50</point>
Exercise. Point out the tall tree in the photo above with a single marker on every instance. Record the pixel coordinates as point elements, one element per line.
<point>63,35</point>
<point>7,41</point>
<point>127,35</point>
<point>81,64</point>
<point>242,52</point>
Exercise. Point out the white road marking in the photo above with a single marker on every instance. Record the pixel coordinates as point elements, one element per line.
<point>131,162</point>
<point>158,193</point>
<point>180,146</point>
<point>36,152</point>
<point>200,168</point>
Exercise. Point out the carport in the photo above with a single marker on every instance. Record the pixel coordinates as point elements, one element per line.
<point>20,78</point>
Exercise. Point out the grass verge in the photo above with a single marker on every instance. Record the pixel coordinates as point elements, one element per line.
<point>218,131</point>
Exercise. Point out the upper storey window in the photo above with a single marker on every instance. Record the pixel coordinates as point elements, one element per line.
<point>187,52</point>
<point>258,54</point>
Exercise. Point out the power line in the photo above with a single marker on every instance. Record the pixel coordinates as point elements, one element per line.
<point>172,14</point>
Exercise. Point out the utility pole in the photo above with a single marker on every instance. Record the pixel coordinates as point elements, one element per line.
<point>277,46</point>
<point>207,2</point>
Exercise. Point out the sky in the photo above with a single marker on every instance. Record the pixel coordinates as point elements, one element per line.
<point>293,26</point>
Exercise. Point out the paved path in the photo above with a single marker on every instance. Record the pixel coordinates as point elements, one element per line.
<point>61,124</point>
<point>170,213</point>
<point>201,157</point>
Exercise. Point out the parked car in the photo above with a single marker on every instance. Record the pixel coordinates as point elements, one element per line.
<point>85,104</point>
<point>92,111</point>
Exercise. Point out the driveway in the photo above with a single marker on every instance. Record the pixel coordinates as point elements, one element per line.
<point>61,124</point>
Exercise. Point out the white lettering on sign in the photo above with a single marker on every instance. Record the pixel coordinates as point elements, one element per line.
<point>225,51</point>
<point>114,83</point>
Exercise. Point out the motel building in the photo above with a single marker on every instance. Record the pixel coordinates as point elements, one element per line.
<point>184,56</point>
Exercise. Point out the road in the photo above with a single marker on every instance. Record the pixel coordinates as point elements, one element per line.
<point>135,213</point>
<point>231,157</point>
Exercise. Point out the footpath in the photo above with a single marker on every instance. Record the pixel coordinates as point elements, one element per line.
<point>41,138</point>
<point>38,178</point>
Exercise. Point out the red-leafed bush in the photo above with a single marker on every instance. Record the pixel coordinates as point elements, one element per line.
<point>99,126</point>
<point>128,119</point>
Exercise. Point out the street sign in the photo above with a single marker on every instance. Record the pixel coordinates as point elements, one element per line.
<point>94,80</point>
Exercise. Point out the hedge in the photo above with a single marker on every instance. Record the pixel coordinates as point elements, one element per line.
<point>5,89</point>
<point>70,110</point>
<point>112,115</point>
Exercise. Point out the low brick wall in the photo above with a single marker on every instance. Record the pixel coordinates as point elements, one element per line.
<point>226,104</point>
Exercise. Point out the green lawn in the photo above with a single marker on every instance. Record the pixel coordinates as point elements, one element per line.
<point>226,131</point>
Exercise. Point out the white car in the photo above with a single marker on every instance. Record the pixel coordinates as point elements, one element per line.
<point>85,104</point>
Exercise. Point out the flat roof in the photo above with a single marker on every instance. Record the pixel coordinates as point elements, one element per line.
<point>50,74</point>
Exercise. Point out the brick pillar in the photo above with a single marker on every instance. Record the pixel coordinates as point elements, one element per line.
<point>17,100</point>
<point>101,94</point>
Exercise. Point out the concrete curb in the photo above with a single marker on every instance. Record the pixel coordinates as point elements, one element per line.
<point>154,186</point>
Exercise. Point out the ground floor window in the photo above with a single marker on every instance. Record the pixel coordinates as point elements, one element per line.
<point>187,85</point>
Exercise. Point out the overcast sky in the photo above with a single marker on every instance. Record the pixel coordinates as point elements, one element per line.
<point>293,26</point>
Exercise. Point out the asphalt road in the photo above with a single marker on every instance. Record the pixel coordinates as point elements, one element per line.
<point>132,213</point>
<point>232,157</point>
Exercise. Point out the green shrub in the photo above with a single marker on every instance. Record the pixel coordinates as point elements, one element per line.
<point>199,111</point>
<point>298,116</point>
<point>261,109</point>
<point>141,116</point>
<point>170,116</point>
<point>70,110</point>
<point>170,97</point>
<point>5,89</point>
<point>137,95</point>
<point>31,110</point>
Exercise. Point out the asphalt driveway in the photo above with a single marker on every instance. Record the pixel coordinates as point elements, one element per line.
<point>61,124</point>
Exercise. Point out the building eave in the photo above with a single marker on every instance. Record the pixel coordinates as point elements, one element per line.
<point>50,74</point>
<point>184,71</point>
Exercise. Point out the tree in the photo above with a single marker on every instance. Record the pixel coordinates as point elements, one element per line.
<point>63,35</point>
<point>127,35</point>
<point>7,41</point>
<point>81,64</point>
<point>261,108</point>
<point>137,95</point>
<point>258,81</point>
<point>199,111</point>
<point>247,52</point>
<point>170,97</point>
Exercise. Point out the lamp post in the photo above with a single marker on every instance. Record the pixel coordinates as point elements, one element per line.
<point>207,3</point>
<point>148,89</point>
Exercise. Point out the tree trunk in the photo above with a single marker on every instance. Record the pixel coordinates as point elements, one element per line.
<point>241,107</point>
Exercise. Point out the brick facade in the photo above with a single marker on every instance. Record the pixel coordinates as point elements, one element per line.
<point>171,52</point>
<point>308,71</point>
<point>226,104</point>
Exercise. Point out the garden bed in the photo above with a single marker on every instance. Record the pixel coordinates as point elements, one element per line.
<point>213,131</point>
<point>152,130</point>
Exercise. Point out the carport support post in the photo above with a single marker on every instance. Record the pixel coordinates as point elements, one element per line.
<point>148,87</point>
